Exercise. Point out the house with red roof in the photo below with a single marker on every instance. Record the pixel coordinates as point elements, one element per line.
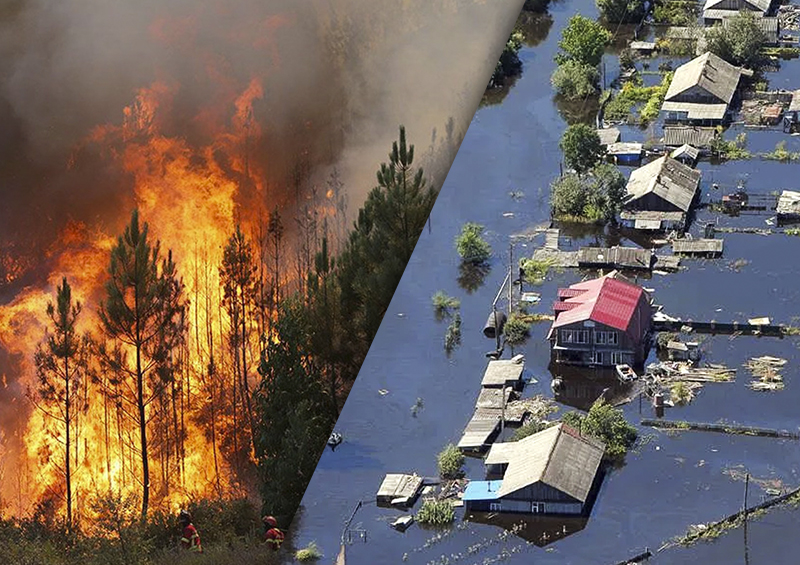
<point>601,322</point>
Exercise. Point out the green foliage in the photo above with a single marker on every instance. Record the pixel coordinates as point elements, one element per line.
<point>516,329</point>
<point>594,197</point>
<point>730,150</point>
<point>663,338</point>
<point>782,154</point>
<point>452,337</point>
<point>293,415</point>
<point>444,305</point>
<point>574,80</point>
<point>471,246</point>
<point>436,513</point>
<point>533,427</point>
<point>378,249</point>
<point>509,64</point>
<point>311,552</point>
<point>122,539</point>
<point>581,146</point>
<point>621,11</point>
<point>675,12</point>
<point>535,271</point>
<point>607,424</point>
<point>584,41</point>
<point>657,94</point>
<point>450,462</point>
<point>680,393</point>
<point>740,42</point>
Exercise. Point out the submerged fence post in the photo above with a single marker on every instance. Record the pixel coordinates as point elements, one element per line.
<point>746,487</point>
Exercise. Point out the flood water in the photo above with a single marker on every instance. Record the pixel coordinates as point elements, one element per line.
<point>670,480</point>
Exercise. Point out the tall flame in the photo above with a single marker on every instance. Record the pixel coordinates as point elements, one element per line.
<point>188,194</point>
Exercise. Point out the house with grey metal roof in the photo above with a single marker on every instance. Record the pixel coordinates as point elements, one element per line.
<point>552,472</point>
<point>660,195</point>
<point>701,91</point>
<point>715,11</point>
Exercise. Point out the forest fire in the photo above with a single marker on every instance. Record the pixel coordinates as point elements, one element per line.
<point>195,401</point>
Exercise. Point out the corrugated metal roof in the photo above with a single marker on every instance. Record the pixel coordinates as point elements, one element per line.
<point>605,300</point>
<point>752,5</point>
<point>696,111</point>
<point>558,457</point>
<point>667,178</point>
<point>686,150</point>
<point>675,136</point>
<point>714,75</point>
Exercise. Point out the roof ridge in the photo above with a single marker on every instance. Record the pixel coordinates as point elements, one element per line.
<point>560,428</point>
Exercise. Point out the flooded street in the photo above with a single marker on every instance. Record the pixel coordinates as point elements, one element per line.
<point>671,480</point>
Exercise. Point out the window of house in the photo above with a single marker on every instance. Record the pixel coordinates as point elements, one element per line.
<point>495,507</point>
<point>582,336</point>
<point>597,357</point>
<point>537,507</point>
<point>600,337</point>
<point>613,338</point>
<point>567,336</point>
<point>617,358</point>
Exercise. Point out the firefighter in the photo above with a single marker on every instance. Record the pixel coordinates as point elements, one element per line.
<point>274,537</point>
<point>190,539</point>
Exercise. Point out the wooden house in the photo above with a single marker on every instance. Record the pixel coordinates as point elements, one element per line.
<point>660,195</point>
<point>601,322</point>
<point>552,472</point>
<point>702,91</point>
<point>625,153</point>
<point>715,11</point>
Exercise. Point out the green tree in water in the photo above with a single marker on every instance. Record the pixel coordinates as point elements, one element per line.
<point>293,413</point>
<point>584,41</point>
<point>62,361</point>
<point>581,146</point>
<point>145,310</point>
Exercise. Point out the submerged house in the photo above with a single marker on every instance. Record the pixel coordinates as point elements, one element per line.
<point>715,11</point>
<point>601,322</point>
<point>701,91</point>
<point>788,207</point>
<point>552,472</point>
<point>660,195</point>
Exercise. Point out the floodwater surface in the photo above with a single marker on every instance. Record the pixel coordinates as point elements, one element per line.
<point>670,480</point>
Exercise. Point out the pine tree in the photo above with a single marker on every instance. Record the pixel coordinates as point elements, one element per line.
<point>293,413</point>
<point>144,309</point>
<point>378,250</point>
<point>238,279</point>
<point>61,369</point>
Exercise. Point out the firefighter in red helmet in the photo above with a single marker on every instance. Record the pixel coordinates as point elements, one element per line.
<point>273,536</point>
<point>190,539</point>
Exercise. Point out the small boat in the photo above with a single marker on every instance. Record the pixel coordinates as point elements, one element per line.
<point>335,439</point>
<point>626,374</point>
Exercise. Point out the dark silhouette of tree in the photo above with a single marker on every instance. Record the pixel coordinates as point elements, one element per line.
<point>145,310</point>
<point>238,280</point>
<point>62,361</point>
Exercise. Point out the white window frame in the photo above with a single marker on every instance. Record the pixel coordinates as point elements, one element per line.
<point>600,337</point>
<point>617,357</point>
<point>537,507</point>
<point>595,356</point>
<point>495,507</point>
<point>567,336</point>
<point>612,338</point>
<point>582,337</point>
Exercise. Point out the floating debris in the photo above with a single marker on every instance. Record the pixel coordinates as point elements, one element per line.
<point>766,373</point>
